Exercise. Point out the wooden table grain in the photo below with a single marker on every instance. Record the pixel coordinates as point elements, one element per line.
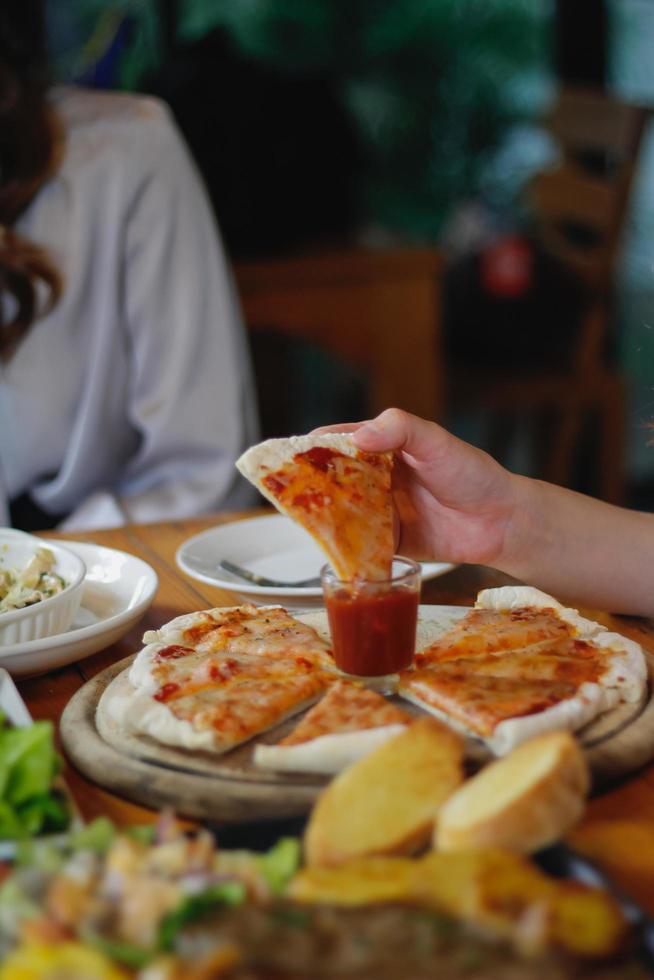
<point>617,829</point>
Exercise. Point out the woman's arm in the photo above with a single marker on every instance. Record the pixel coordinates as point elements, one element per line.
<point>455,503</point>
<point>581,548</point>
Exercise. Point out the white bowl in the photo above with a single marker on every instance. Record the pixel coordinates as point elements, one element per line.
<point>49,616</point>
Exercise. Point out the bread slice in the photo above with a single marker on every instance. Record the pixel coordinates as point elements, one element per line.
<point>387,802</point>
<point>509,896</point>
<point>521,802</point>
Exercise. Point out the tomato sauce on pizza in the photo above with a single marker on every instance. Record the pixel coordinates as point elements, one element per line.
<point>339,494</point>
<point>346,707</point>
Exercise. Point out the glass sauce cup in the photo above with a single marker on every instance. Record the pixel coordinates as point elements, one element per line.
<point>373,623</point>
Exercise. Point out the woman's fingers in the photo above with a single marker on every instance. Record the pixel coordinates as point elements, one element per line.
<point>399,431</point>
<point>396,430</point>
<point>338,427</point>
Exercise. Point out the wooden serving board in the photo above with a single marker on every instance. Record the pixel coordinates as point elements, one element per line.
<point>230,788</point>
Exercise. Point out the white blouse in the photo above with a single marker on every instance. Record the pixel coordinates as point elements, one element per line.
<point>131,400</point>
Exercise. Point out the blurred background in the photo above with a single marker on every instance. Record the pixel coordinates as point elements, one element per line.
<point>443,204</point>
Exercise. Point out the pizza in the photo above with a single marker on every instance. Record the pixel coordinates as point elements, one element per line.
<point>339,494</point>
<point>214,679</point>
<point>520,664</point>
<point>346,724</point>
<point>517,665</point>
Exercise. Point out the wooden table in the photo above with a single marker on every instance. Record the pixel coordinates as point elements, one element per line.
<point>618,828</point>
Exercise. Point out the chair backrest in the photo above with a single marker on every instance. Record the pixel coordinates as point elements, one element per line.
<point>580,206</point>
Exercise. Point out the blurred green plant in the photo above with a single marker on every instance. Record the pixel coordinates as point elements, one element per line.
<point>433,85</point>
<point>113,44</point>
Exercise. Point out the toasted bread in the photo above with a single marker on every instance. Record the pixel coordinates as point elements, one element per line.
<point>362,881</point>
<point>513,898</point>
<point>387,802</point>
<point>502,893</point>
<point>521,802</point>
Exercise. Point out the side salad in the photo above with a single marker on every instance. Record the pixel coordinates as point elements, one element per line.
<point>37,581</point>
<point>157,903</point>
<point>99,903</point>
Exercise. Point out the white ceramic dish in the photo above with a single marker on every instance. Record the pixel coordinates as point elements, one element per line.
<point>118,588</point>
<point>11,704</point>
<point>274,546</point>
<point>51,615</point>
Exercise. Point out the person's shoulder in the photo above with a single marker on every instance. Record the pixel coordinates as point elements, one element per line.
<point>114,126</point>
<point>84,109</point>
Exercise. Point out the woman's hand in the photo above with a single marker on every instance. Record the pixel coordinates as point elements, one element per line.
<point>454,502</point>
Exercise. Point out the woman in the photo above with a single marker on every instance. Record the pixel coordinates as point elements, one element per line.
<point>455,503</point>
<point>125,386</point>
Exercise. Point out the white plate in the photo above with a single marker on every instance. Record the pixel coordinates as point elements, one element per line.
<point>274,546</point>
<point>118,588</point>
<point>11,704</point>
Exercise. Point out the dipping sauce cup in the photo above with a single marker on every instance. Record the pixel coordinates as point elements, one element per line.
<point>373,623</point>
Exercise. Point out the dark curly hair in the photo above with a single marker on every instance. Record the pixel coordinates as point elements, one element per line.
<point>29,149</point>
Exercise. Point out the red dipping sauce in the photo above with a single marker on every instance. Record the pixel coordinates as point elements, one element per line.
<point>375,634</point>
<point>373,623</point>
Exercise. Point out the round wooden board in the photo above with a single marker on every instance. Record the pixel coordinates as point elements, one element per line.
<point>230,788</point>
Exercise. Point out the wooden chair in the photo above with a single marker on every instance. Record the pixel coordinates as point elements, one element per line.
<point>579,210</point>
<point>378,310</point>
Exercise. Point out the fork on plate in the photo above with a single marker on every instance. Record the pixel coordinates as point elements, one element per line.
<point>263,580</point>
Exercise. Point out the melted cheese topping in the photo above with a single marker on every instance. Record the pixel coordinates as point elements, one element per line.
<point>346,708</point>
<point>232,672</point>
<point>489,631</point>
<point>248,705</point>
<point>345,504</point>
<point>496,665</point>
<point>482,702</point>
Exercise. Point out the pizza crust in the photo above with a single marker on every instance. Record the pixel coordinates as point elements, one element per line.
<point>272,454</point>
<point>624,680</point>
<point>131,706</point>
<point>327,754</point>
<point>134,712</point>
<point>628,670</point>
<point>140,673</point>
<point>526,597</point>
<point>124,708</point>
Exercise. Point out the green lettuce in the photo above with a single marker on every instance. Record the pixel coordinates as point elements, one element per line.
<point>97,836</point>
<point>279,864</point>
<point>195,907</point>
<point>29,764</point>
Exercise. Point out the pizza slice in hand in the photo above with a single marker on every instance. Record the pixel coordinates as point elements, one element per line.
<point>346,724</point>
<point>340,495</point>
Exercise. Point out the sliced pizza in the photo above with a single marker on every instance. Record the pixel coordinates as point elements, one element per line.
<point>339,494</point>
<point>521,664</point>
<point>496,631</point>
<point>346,724</point>
<point>215,679</point>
